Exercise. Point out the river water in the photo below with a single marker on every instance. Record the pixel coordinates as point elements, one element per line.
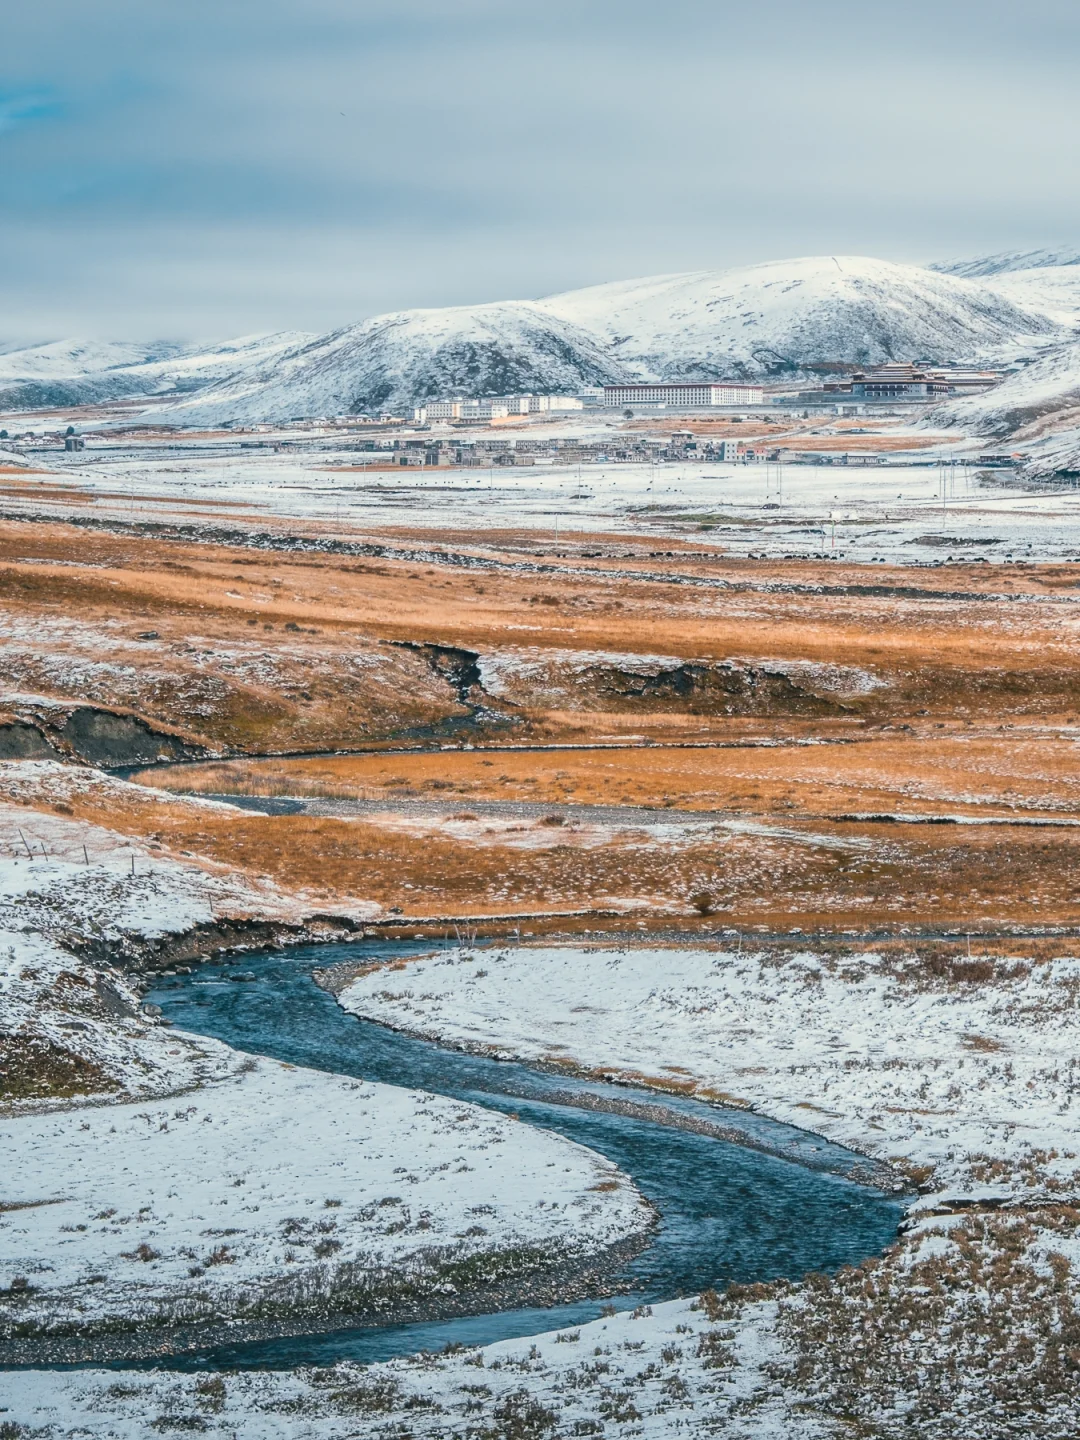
<point>780,1205</point>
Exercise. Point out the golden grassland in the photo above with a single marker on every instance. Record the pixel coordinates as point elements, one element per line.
<point>971,709</point>
<point>962,772</point>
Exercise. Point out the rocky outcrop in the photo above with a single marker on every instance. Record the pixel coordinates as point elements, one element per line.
<point>110,739</point>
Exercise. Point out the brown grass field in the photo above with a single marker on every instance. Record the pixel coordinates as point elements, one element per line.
<point>854,700</point>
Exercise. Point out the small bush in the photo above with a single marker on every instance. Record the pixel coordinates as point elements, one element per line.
<point>142,1252</point>
<point>519,1416</point>
<point>376,1397</point>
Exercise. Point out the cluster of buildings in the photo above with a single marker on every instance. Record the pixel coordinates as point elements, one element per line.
<point>678,395</point>
<point>484,454</point>
<point>900,384</point>
<point>500,407</point>
<point>903,382</point>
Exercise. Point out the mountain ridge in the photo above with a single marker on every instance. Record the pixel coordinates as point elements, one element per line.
<point>779,320</point>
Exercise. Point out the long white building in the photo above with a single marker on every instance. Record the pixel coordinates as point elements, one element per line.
<point>691,394</point>
<point>497,408</point>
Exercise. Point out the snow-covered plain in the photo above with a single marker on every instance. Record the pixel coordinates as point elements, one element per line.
<point>958,1081</point>
<point>900,511</point>
<point>170,1179</point>
<point>277,1189</point>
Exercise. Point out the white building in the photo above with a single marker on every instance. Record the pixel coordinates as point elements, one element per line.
<point>692,395</point>
<point>437,410</point>
<point>541,404</point>
<point>498,408</point>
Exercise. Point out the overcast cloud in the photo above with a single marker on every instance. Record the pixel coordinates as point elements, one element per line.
<point>222,166</point>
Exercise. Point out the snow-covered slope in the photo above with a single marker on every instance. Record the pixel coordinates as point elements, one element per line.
<point>1052,289</point>
<point>1038,409</point>
<point>1005,262</point>
<point>393,360</point>
<point>1047,281</point>
<point>66,359</point>
<point>794,315</point>
<point>1040,394</point>
<point>782,318</point>
<point>79,372</point>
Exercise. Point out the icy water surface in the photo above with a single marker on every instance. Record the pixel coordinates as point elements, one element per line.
<point>728,1212</point>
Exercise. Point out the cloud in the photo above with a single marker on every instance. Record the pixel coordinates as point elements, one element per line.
<point>22,109</point>
<point>305,162</point>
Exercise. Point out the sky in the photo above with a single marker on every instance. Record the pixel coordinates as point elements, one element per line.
<point>219,167</point>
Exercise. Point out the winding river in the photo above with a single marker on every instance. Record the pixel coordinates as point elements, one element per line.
<point>781,1203</point>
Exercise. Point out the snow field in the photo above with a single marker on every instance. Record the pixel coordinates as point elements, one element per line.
<point>282,1187</point>
<point>975,1084</point>
<point>857,512</point>
<point>656,1373</point>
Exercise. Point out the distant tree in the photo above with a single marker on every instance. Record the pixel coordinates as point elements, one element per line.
<point>628,414</point>
<point>3,435</point>
<point>70,430</point>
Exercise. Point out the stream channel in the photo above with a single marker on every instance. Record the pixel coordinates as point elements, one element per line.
<point>779,1205</point>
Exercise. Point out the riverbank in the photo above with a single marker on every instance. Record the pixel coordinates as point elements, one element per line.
<point>288,1197</point>
<point>958,1070</point>
<point>964,1330</point>
<point>158,1180</point>
<point>979,1302</point>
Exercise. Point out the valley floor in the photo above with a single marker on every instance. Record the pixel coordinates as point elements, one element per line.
<point>838,804</point>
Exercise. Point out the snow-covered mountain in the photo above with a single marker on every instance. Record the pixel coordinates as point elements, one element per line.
<point>795,316</point>
<point>1006,261</point>
<point>1033,400</point>
<point>395,360</point>
<point>80,372</point>
<point>786,319</point>
<point>782,319</point>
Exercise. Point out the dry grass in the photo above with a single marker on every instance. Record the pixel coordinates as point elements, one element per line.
<point>877,875</point>
<point>973,711</point>
<point>214,609</point>
<point>1009,775</point>
<point>986,1325</point>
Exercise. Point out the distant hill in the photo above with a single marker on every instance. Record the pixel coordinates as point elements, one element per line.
<point>1006,261</point>
<point>84,372</point>
<point>394,361</point>
<point>787,320</point>
<point>795,316</point>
